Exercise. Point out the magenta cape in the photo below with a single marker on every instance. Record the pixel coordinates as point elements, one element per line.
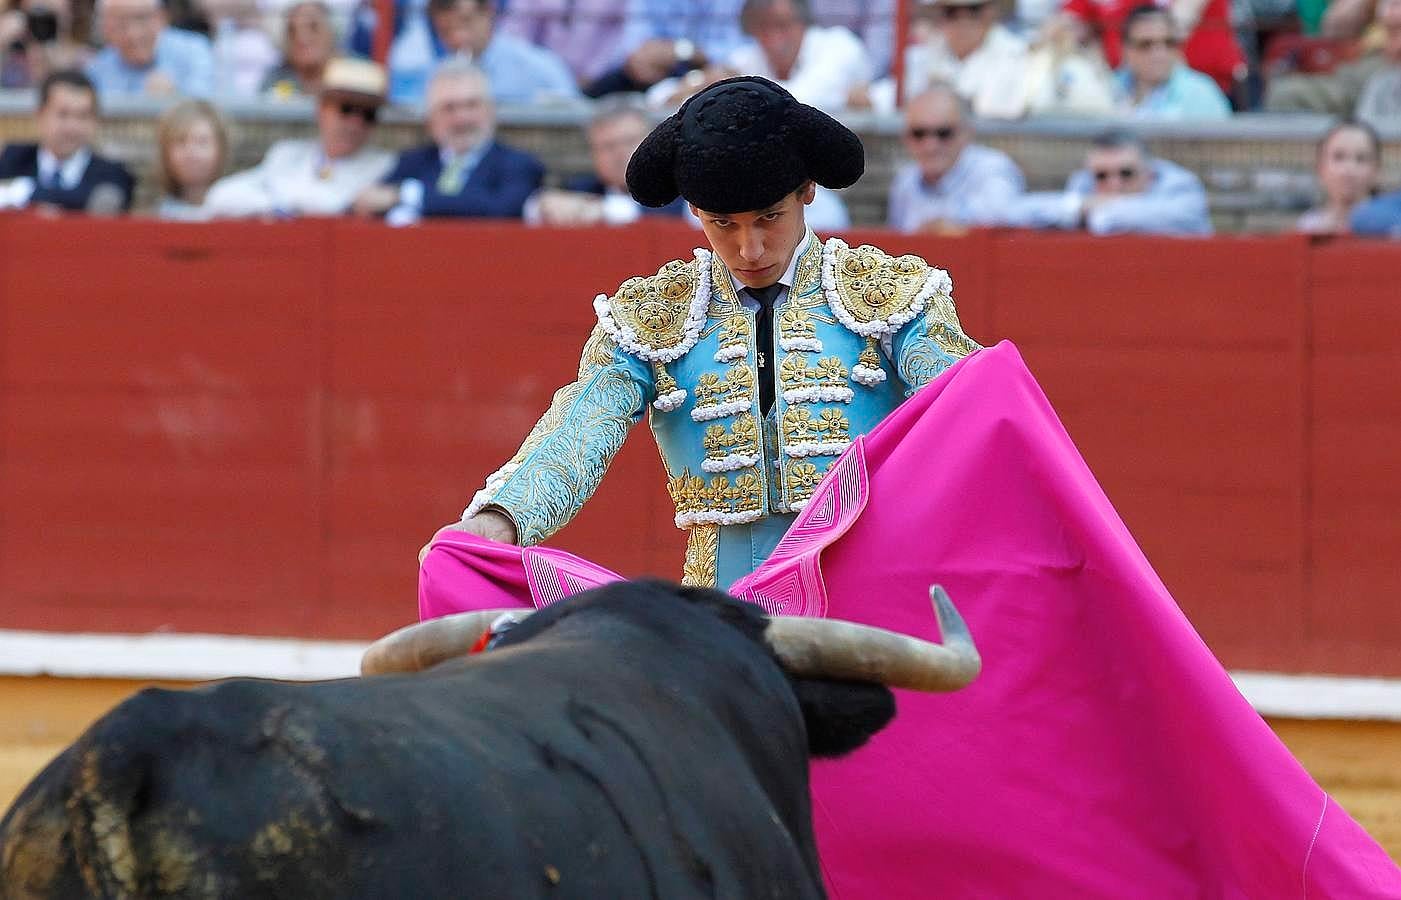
<point>1103,752</point>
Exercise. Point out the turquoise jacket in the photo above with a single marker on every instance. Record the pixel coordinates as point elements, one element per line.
<point>857,333</point>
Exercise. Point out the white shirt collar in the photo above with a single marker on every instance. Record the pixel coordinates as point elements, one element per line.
<point>70,171</point>
<point>786,279</point>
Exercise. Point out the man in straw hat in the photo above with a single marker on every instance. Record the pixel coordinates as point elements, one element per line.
<point>758,361</point>
<point>319,176</point>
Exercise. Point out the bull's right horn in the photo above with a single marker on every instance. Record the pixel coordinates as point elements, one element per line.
<point>422,645</point>
<point>845,651</point>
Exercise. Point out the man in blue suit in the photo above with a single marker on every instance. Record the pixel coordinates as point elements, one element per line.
<point>61,170</point>
<point>465,171</point>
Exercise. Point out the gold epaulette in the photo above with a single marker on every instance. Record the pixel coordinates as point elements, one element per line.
<point>659,317</point>
<point>875,293</point>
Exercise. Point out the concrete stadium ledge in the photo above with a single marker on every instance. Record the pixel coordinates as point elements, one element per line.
<point>198,657</point>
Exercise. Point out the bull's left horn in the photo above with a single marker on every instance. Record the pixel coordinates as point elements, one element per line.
<point>416,647</point>
<point>846,651</point>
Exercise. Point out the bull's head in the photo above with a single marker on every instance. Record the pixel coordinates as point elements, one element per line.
<point>815,653</point>
<point>807,647</point>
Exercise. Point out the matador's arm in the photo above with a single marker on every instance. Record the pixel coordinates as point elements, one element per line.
<point>568,451</point>
<point>930,342</point>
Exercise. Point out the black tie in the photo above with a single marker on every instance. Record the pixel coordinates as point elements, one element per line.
<point>764,342</point>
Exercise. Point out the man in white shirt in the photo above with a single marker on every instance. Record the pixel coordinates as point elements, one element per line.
<point>819,66</point>
<point>949,182</point>
<point>320,176</point>
<point>963,44</point>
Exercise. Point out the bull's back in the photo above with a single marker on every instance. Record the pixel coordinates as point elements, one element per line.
<point>441,786</point>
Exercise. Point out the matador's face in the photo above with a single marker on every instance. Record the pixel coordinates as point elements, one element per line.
<point>757,246</point>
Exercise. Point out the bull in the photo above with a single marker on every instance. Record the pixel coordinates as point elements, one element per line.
<point>637,740</point>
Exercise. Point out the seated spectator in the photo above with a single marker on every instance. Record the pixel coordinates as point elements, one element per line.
<point>465,171</point>
<point>1348,165</point>
<point>1121,190</point>
<point>243,51</point>
<point>614,132</point>
<point>1154,82</point>
<point>1204,27</point>
<point>309,44</point>
<point>1380,102</point>
<point>36,38</point>
<point>1380,217</point>
<point>586,34</point>
<point>519,72</point>
<point>950,182</point>
<point>817,65</point>
<point>144,55</point>
<point>669,38</point>
<point>62,171</point>
<point>872,21</point>
<point>193,150</point>
<point>318,176</point>
<point>964,45</point>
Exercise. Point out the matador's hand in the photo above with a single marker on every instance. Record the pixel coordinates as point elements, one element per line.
<point>488,523</point>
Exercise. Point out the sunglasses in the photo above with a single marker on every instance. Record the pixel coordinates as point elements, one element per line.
<point>1127,173</point>
<point>942,132</point>
<point>1146,44</point>
<point>965,11</point>
<point>368,113</point>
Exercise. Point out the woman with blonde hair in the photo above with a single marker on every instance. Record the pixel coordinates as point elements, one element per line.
<point>194,149</point>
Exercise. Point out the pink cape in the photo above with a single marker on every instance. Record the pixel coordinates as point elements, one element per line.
<point>1103,752</point>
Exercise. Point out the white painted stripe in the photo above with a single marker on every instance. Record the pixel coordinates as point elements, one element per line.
<point>1321,696</point>
<point>183,657</point>
<point>196,657</point>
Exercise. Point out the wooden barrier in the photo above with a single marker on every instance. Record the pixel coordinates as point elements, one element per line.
<point>251,428</point>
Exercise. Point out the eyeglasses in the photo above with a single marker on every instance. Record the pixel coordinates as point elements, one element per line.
<point>1143,45</point>
<point>963,11</point>
<point>941,132</point>
<point>368,113</point>
<point>1127,173</point>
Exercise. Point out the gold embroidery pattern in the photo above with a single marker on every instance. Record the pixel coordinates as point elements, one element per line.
<point>736,384</point>
<point>742,438</point>
<point>794,372</point>
<point>702,557</point>
<point>695,497</point>
<point>875,286</point>
<point>943,343</point>
<point>830,426</point>
<point>802,479</point>
<point>794,322</point>
<point>598,350</point>
<point>735,330</point>
<point>655,307</point>
<point>808,277</point>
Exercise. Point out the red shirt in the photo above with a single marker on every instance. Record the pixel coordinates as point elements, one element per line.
<point>1211,48</point>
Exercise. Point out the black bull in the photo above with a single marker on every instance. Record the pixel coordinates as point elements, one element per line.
<point>638,740</point>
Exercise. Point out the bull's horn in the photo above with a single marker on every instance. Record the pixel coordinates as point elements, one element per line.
<point>846,651</point>
<point>416,647</point>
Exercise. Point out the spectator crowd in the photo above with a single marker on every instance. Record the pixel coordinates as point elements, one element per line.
<point>630,61</point>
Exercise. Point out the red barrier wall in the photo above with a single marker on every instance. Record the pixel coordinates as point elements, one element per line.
<point>252,428</point>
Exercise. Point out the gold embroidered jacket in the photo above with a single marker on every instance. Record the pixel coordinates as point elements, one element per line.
<point>858,332</point>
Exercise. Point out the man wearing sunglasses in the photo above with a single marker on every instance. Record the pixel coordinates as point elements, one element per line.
<point>950,182</point>
<point>1121,190</point>
<point>1154,82</point>
<point>319,176</point>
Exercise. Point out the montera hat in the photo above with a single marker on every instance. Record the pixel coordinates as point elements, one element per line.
<point>742,144</point>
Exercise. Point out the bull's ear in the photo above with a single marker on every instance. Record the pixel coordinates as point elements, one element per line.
<point>842,715</point>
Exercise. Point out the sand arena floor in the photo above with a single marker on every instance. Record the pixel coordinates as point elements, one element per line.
<point>1359,763</point>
